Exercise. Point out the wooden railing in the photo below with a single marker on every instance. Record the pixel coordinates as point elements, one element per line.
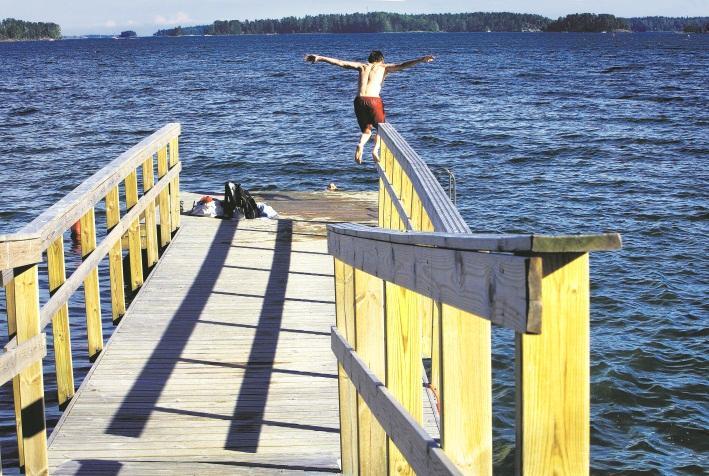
<point>21,253</point>
<point>422,286</point>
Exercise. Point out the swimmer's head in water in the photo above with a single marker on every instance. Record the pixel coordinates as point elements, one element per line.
<point>376,56</point>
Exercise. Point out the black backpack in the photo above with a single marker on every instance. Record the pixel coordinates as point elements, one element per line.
<point>237,198</point>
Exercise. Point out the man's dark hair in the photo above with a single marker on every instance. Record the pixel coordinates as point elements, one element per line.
<point>375,56</point>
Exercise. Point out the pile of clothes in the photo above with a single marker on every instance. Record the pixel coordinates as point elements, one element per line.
<point>237,202</point>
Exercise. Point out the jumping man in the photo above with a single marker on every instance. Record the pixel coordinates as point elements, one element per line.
<point>368,106</point>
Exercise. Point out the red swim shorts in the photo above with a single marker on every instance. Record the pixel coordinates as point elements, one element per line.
<point>369,111</point>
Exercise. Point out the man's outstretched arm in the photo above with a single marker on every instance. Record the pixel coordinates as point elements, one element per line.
<point>392,68</point>
<point>334,61</point>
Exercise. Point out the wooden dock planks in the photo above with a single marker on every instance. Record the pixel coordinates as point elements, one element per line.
<point>222,363</point>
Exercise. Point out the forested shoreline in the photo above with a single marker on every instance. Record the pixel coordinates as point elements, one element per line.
<point>384,22</point>
<point>12,29</point>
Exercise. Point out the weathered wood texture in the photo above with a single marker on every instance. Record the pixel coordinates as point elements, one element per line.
<point>92,293</point>
<point>493,286</point>
<point>115,257</point>
<point>16,360</point>
<point>230,371</point>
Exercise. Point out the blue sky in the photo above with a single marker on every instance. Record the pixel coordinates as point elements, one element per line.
<point>146,16</point>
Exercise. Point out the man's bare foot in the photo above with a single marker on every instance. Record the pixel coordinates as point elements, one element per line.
<point>358,154</point>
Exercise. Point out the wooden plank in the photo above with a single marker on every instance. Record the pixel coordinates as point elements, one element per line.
<point>403,361</point>
<point>524,243</point>
<point>553,374</point>
<point>466,391</point>
<point>419,449</point>
<point>344,297</point>
<point>174,186</point>
<point>34,433</point>
<point>19,250</point>
<point>16,360</point>
<point>59,217</point>
<point>12,334</point>
<point>92,295</point>
<point>151,231</point>
<point>115,257</point>
<point>60,325</point>
<point>370,335</point>
<point>135,253</point>
<point>396,186</point>
<point>164,201</point>
<point>490,285</point>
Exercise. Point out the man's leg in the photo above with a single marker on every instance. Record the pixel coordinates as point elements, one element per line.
<point>375,150</point>
<point>360,147</point>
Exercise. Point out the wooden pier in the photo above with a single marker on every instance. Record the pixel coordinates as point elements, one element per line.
<point>247,350</point>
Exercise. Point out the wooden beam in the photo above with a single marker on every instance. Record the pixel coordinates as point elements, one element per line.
<point>12,335</point>
<point>19,250</point>
<point>31,382</point>
<point>394,199</point>
<point>345,312</point>
<point>369,330</point>
<point>135,253</point>
<point>486,242</point>
<point>420,450</point>
<point>60,325</point>
<point>553,374</point>
<point>115,257</point>
<point>403,361</point>
<point>151,231</point>
<point>18,359</point>
<point>489,285</point>
<point>466,391</point>
<point>164,201</point>
<point>174,185</point>
<point>92,295</point>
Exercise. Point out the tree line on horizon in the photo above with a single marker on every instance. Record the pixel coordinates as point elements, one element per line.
<point>383,22</point>
<point>12,29</point>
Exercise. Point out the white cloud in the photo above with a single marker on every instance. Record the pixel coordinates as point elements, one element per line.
<point>177,19</point>
<point>110,24</point>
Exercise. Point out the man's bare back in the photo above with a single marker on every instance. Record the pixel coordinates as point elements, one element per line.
<point>369,108</point>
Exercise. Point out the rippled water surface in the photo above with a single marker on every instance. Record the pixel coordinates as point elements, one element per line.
<point>546,133</point>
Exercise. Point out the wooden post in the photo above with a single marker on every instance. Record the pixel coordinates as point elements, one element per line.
<point>60,325</point>
<point>31,381</point>
<point>17,398</point>
<point>344,297</point>
<point>92,298</point>
<point>135,252</point>
<point>466,390</point>
<point>115,258</point>
<point>553,374</point>
<point>403,361</point>
<point>369,329</point>
<point>174,186</point>
<point>164,201</point>
<point>151,232</point>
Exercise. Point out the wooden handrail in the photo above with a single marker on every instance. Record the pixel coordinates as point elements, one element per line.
<point>499,287</point>
<point>21,252</point>
<point>422,285</point>
<point>59,217</point>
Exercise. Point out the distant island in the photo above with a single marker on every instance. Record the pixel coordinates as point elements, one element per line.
<point>11,29</point>
<point>383,22</point>
<point>128,34</point>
